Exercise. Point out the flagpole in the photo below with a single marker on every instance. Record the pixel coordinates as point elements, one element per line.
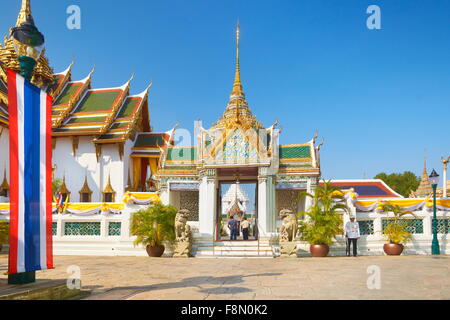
<point>29,44</point>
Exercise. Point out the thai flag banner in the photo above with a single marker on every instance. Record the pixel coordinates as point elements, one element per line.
<point>30,151</point>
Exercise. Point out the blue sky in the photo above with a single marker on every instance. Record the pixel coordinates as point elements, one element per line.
<point>379,97</point>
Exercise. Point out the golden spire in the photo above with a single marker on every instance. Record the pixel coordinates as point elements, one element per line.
<point>109,188</point>
<point>85,188</point>
<point>424,173</point>
<point>237,85</point>
<point>237,113</point>
<point>24,12</point>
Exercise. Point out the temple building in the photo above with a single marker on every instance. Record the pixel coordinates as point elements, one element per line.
<point>94,130</point>
<point>238,145</point>
<point>111,164</point>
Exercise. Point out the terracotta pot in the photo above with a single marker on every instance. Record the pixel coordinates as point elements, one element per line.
<point>155,251</point>
<point>393,249</point>
<point>319,250</point>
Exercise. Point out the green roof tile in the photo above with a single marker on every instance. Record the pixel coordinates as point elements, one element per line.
<point>182,154</point>
<point>109,136</point>
<point>67,93</point>
<point>98,100</point>
<point>127,109</point>
<point>147,140</point>
<point>86,120</point>
<point>75,129</point>
<point>291,152</point>
<point>119,125</point>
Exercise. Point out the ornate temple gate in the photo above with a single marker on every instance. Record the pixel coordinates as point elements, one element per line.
<point>230,176</point>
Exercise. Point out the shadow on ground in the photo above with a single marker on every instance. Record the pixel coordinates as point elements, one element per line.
<point>223,285</point>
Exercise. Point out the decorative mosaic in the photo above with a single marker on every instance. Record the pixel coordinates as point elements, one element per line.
<point>287,199</point>
<point>179,179</point>
<point>292,177</point>
<point>114,228</point>
<point>443,226</point>
<point>82,228</point>
<point>366,227</point>
<point>237,148</point>
<point>189,200</point>
<point>412,225</point>
<point>54,226</point>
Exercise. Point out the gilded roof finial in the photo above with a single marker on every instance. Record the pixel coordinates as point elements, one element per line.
<point>25,10</point>
<point>237,86</point>
<point>4,185</point>
<point>109,188</point>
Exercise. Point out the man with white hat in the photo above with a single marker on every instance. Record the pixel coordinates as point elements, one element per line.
<point>352,235</point>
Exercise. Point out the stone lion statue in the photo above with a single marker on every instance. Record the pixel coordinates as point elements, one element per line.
<point>288,229</point>
<point>183,235</point>
<point>182,229</point>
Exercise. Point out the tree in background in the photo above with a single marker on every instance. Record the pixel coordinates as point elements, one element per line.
<point>56,186</point>
<point>402,183</point>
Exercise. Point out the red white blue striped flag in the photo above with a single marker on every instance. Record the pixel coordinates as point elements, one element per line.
<point>30,150</point>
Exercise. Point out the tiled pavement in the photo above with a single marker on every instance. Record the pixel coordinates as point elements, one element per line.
<point>403,277</point>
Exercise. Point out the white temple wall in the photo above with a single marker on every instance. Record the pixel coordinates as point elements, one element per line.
<point>112,166</point>
<point>75,168</point>
<point>4,152</point>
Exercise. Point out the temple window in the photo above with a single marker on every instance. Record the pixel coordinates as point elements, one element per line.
<point>108,193</point>
<point>64,191</point>
<point>85,192</point>
<point>4,187</point>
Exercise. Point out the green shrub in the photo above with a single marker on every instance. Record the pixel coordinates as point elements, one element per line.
<point>154,224</point>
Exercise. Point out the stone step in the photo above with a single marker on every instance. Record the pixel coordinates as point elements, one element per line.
<point>233,257</point>
<point>242,249</point>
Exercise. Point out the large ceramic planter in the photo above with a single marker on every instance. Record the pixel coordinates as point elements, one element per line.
<point>393,249</point>
<point>155,251</point>
<point>319,250</point>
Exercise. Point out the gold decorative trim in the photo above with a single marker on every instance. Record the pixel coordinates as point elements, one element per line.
<point>109,190</point>
<point>85,189</point>
<point>5,184</point>
<point>98,151</point>
<point>75,142</point>
<point>120,147</point>
<point>64,189</point>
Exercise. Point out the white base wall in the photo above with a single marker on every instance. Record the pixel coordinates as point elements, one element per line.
<point>122,245</point>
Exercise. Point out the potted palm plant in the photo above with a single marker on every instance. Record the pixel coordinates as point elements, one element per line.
<point>396,231</point>
<point>152,226</point>
<point>4,234</point>
<point>323,221</point>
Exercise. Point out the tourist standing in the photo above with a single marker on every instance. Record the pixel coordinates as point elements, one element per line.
<point>245,225</point>
<point>233,226</point>
<point>352,235</point>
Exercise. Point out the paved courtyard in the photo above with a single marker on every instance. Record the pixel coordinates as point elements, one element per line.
<point>404,277</point>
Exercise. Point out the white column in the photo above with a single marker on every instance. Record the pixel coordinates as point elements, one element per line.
<point>164,192</point>
<point>207,207</point>
<point>262,207</point>
<point>271,211</point>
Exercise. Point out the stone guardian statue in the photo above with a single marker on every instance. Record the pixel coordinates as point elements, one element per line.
<point>288,232</point>
<point>183,235</point>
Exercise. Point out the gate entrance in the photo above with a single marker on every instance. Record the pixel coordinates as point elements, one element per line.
<point>237,200</point>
